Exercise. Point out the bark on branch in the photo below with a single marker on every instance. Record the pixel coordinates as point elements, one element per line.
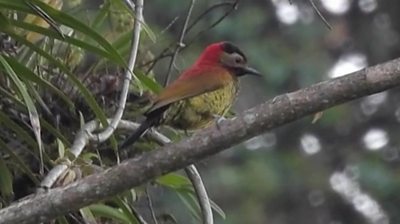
<point>136,171</point>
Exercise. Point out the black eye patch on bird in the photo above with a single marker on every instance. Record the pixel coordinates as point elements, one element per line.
<point>230,48</point>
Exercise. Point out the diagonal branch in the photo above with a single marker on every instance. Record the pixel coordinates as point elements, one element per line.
<point>136,171</point>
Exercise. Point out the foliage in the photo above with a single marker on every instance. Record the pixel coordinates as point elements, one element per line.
<point>58,73</point>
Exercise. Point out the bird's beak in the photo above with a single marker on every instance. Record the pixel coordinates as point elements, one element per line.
<point>251,71</point>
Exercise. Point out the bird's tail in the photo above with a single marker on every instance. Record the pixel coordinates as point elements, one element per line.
<point>152,118</point>
<point>146,125</point>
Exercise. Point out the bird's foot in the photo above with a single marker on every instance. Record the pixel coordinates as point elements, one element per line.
<point>218,121</point>
<point>275,99</point>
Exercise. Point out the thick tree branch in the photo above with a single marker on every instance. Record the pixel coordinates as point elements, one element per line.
<point>271,114</point>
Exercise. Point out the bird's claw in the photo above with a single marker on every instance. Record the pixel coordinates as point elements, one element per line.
<point>275,99</point>
<point>218,121</point>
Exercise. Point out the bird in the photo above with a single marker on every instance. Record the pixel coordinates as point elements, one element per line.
<point>202,93</point>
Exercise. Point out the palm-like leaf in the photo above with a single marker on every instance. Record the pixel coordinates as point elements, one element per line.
<point>47,88</point>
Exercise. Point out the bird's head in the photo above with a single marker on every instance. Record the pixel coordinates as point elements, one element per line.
<point>227,55</point>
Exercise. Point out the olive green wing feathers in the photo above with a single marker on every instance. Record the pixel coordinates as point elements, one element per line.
<point>192,83</point>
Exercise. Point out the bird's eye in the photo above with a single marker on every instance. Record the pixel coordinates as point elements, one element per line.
<point>238,60</point>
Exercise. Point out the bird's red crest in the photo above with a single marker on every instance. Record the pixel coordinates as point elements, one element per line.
<point>210,55</point>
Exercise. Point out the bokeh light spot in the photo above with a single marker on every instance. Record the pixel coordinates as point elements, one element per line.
<point>371,103</point>
<point>350,190</point>
<point>310,144</point>
<point>367,6</point>
<point>348,63</point>
<point>287,13</point>
<point>375,139</point>
<point>336,6</point>
<point>266,140</point>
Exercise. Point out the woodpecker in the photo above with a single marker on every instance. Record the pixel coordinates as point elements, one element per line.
<point>202,93</point>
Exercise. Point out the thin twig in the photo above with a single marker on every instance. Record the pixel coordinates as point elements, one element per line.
<point>207,11</point>
<point>191,172</point>
<point>166,51</point>
<point>153,62</point>
<point>169,25</point>
<point>180,43</point>
<point>195,178</point>
<point>42,14</point>
<point>320,14</point>
<point>104,135</point>
<point>227,13</point>
<point>201,194</point>
<point>150,204</point>
<point>138,216</point>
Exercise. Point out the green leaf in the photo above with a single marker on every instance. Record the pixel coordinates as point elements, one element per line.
<point>149,33</point>
<point>67,20</point>
<point>6,181</point>
<point>89,98</point>
<point>77,25</point>
<point>87,215</point>
<point>27,74</point>
<point>19,162</point>
<point>33,114</point>
<point>174,181</point>
<point>54,131</point>
<point>19,131</point>
<point>123,43</point>
<point>101,15</point>
<point>42,14</point>
<point>190,202</point>
<point>101,210</point>
<point>148,82</point>
<point>124,206</point>
<point>62,220</point>
<point>71,40</point>
<point>218,209</point>
<point>146,28</point>
<point>18,5</point>
<point>183,188</point>
<point>4,23</point>
<point>61,148</point>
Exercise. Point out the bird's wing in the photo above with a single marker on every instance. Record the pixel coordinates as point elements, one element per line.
<point>199,82</point>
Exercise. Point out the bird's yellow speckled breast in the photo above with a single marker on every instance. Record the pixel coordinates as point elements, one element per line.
<point>200,111</point>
